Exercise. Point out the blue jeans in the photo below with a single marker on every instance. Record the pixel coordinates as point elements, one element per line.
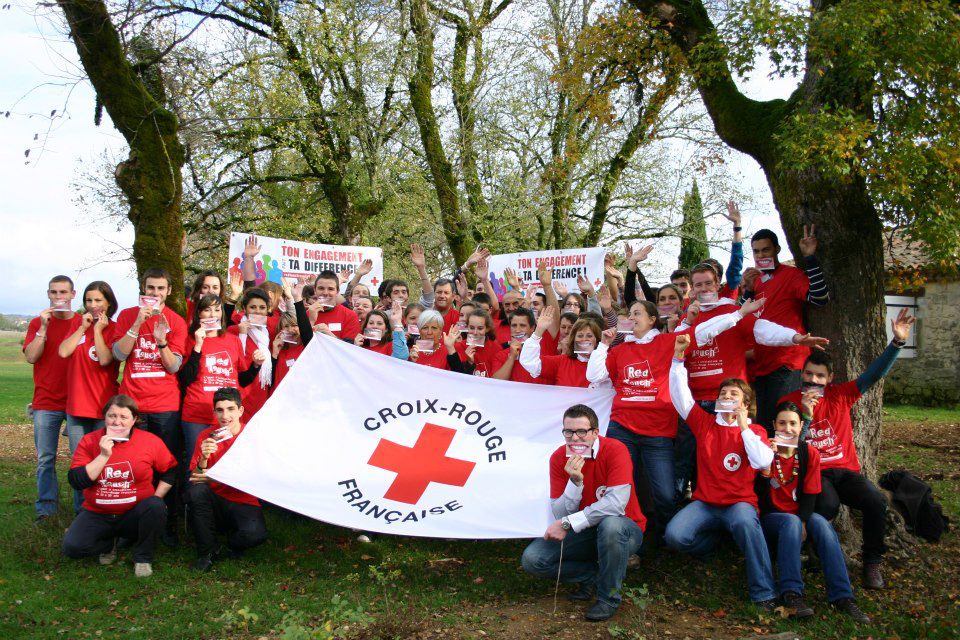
<point>77,428</point>
<point>166,426</point>
<point>597,554</point>
<point>696,530</point>
<point>786,532</point>
<point>653,473</point>
<point>685,452</point>
<point>190,432</point>
<point>46,437</point>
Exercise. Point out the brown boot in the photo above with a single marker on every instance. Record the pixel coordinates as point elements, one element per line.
<point>872,578</point>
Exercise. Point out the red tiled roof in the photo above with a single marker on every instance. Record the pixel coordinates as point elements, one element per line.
<point>900,252</point>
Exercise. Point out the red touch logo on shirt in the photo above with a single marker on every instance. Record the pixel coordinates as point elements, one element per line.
<point>92,353</point>
<point>417,466</point>
<point>638,374</point>
<point>732,461</point>
<point>824,439</point>
<point>219,363</point>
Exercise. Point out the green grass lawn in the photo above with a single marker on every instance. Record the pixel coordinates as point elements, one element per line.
<point>312,580</point>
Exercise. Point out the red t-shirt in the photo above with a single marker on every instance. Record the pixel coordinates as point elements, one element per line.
<point>724,474</point>
<point>385,348</point>
<point>90,385</point>
<point>50,371</point>
<point>831,430</point>
<point>225,491</point>
<point>221,361</point>
<point>727,292</point>
<point>640,374</point>
<point>723,357</point>
<point>144,378</point>
<point>784,293</point>
<point>784,496</point>
<point>482,358</point>
<point>254,394</point>
<point>611,468</point>
<point>450,318</point>
<point>563,371</point>
<point>287,358</point>
<point>437,359</point>
<point>127,477</point>
<point>518,373</point>
<point>341,321</point>
<point>502,328</point>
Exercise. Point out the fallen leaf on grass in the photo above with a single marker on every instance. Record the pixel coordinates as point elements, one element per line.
<point>719,613</point>
<point>478,580</point>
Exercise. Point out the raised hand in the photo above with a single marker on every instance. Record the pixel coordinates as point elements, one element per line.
<point>344,276</point>
<point>901,325</point>
<point>608,336</point>
<point>693,312</point>
<point>733,213</point>
<point>751,306</point>
<point>585,287</point>
<point>462,287</point>
<point>236,286</point>
<point>643,253</point>
<point>808,243</point>
<point>545,274</point>
<point>417,256</point>
<point>561,289</point>
<point>450,339</point>
<point>813,342</point>
<point>365,267</point>
<point>511,277</point>
<point>251,248</point>
<point>396,315</point>
<point>605,299</point>
<point>545,320</point>
<point>680,344</point>
<point>160,330</point>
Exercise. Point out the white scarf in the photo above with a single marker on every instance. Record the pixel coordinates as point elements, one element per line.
<point>261,337</point>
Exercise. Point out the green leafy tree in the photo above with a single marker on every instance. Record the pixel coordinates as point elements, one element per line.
<point>870,135</point>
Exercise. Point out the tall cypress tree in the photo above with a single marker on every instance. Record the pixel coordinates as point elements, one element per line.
<point>693,231</point>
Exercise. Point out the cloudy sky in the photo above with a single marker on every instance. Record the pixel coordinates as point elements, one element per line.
<point>45,232</point>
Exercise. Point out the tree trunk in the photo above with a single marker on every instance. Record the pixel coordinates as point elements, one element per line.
<point>455,228</point>
<point>150,176</point>
<point>850,250</point>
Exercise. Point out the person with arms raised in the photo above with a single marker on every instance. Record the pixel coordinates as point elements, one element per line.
<point>785,291</point>
<point>730,451</point>
<point>831,433</point>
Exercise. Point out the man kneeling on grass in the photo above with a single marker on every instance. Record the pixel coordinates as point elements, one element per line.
<point>599,523</point>
<point>214,505</point>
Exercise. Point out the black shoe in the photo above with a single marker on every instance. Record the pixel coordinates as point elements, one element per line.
<point>169,539</point>
<point>226,553</point>
<point>204,563</point>
<point>125,543</point>
<point>849,607</point>
<point>872,577</point>
<point>768,606</point>
<point>793,600</point>
<point>600,611</point>
<point>586,591</point>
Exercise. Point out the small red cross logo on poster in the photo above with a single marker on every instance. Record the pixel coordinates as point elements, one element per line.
<point>374,281</point>
<point>417,466</point>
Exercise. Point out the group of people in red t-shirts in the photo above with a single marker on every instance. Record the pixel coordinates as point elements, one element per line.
<point>687,362</point>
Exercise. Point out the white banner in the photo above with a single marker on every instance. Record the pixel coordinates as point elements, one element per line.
<point>436,454</point>
<point>281,258</point>
<point>566,264</point>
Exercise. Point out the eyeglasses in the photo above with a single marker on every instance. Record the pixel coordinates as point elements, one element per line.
<point>580,433</point>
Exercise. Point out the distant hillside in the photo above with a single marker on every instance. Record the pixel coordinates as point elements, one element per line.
<point>13,323</point>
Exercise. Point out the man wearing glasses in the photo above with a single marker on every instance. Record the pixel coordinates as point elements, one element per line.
<point>598,523</point>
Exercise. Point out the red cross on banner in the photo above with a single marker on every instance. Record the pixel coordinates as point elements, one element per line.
<point>417,466</point>
<point>374,281</point>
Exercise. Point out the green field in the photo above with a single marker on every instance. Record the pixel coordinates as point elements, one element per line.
<point>312,580</point>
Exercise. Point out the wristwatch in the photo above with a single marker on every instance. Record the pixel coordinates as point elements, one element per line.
<point>565,524</point>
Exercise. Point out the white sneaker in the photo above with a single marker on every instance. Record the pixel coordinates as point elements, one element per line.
<point>142,570</point>
<point>111,556</point>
